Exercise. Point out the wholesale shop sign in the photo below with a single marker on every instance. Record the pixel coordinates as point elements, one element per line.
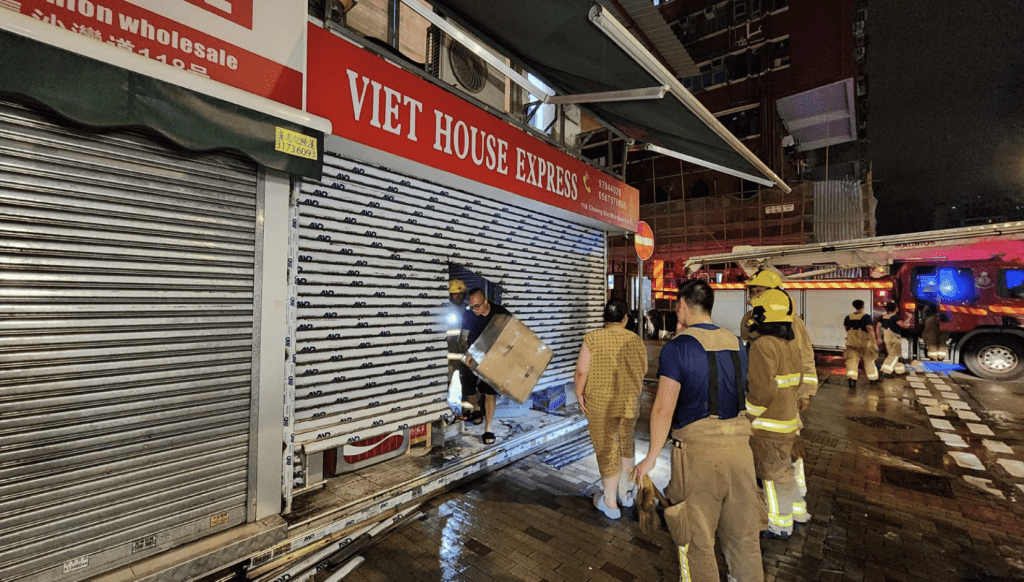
<point>253,45</point>
<point>380,105</point>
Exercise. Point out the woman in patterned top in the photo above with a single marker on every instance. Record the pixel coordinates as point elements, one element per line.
<point>609,380</point>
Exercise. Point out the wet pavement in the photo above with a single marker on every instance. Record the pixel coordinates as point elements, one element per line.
<point>917,478</point>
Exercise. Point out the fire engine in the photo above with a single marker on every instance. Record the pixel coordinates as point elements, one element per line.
<point>971,278</point>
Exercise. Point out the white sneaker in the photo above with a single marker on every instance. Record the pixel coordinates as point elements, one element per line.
<point>599,503</point>
<point>628,498</point>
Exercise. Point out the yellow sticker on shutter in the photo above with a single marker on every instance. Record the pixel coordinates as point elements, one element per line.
<point>296,144</point>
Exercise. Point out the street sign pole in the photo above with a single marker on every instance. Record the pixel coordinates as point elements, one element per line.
<point>643,241</point>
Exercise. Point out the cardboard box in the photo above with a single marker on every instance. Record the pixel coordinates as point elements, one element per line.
<point>509,356</point>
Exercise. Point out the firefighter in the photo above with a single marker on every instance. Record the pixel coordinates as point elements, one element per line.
<point>774,382</point>
<point>454,314</point>
<point>761,281</point>
<point>700,404</point>
<point>932,333</point>
<point>861,344</point>
<point>892,333</point>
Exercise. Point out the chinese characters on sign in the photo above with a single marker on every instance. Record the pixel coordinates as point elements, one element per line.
<point>295,144</point>
<point>213,44</point>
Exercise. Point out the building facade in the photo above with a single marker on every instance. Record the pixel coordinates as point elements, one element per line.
<point>787,78</point>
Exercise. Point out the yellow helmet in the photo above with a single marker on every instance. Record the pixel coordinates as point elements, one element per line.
<point>772,306</point>
<point>456,286</point>
<point>765,278</point>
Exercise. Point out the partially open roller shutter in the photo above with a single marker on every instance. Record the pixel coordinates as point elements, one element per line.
<point>372,285</point>
<point>126,334</point>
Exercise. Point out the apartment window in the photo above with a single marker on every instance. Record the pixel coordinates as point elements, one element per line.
<point>738,66</point>
<point>755,8</point>
<point>744,123</point>
<point>780,52</point>
<point>739,10</point>
<point>719,75</point>
<point>779,4</point>
<point>694,84</point>
<point>755,62</point>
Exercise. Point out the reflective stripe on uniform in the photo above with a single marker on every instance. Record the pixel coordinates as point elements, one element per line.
<point>684,564</point>
<point>798,474</point>
<point>788,380</point>
<point>755,410</point>
<point>774,425</point>
<point>799,510</point>
<point>774,518</point>
<point>852,374</point>
<point>810,379</point>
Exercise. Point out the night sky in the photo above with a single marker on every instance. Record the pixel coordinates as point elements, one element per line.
<point>946,119</point>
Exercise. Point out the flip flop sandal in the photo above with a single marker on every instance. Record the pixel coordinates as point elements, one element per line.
<point>488,438</point>
<point>476,417</point>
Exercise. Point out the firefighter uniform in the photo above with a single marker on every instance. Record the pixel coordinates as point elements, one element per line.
<point>774,382</point>
<point>808,379</point>
<point>713,485</point>
<point>932,334</point>
<point>893,345</point>
<point>860,345</point>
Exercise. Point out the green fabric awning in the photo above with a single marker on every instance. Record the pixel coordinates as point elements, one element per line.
<point>99,94</point>
<point>556,40</point>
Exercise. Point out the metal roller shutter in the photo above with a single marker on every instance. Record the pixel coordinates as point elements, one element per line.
<point>372,283</point>
<point>126,334</point>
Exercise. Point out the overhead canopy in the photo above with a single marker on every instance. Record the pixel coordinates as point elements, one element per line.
<point>558,41</point>
<point>95,93</point>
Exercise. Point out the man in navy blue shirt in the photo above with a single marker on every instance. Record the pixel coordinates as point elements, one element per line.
<point>481,312</point>
<point>701,404</point>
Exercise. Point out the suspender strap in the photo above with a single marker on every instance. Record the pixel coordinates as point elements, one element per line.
<point>713,383</point>
<point>741,384</point>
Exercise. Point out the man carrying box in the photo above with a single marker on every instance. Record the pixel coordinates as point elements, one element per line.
<point>481,313</point>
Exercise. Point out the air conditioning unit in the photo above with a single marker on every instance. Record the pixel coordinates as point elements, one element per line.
<point>455,64</point>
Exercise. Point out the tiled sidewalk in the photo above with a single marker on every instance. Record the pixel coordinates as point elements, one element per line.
<point>877,516</point>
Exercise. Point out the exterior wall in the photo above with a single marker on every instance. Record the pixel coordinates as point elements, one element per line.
<point>685,228</point>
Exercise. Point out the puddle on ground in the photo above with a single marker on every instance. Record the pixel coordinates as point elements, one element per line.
<point>879,422</point>
<point>928,453</point>
<point>921,482</point>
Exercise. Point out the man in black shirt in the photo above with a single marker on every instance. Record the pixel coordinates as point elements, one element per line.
<point>481,312</point>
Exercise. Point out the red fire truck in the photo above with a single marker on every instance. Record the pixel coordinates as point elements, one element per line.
<point>972,278</point>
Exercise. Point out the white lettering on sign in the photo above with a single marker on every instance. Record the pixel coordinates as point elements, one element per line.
<point>541,173</point>
<point>464,140</point>
<point>393,104</point>
<point>76,564</point>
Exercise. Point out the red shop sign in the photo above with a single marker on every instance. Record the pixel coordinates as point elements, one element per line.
<point>380,105</point>
<point>221,41</point>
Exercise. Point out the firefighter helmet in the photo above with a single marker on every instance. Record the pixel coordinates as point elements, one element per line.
<point>765,278</point>
<point>456,286</point>
<point>772,306</point>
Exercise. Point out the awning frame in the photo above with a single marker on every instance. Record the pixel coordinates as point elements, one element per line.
<point>627,42</point>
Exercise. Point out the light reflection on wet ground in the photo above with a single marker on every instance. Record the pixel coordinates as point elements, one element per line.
<point>889,501</point>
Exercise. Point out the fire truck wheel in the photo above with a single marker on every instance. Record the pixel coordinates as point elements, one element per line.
<point>995,357</point>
